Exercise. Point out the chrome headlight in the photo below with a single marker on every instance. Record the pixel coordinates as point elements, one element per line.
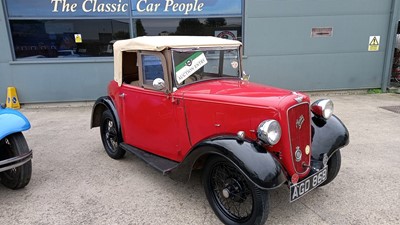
<point>269,131</point>
<point>323,108</point>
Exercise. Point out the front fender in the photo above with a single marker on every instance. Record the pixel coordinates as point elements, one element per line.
<point>258,165</point>
<point>102,104</point>
<point>12,121</point>
<point>328,136</point>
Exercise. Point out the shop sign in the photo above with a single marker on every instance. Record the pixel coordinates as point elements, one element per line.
<point>139,8</point>
<point>66,8</point>
<point>182,8</point>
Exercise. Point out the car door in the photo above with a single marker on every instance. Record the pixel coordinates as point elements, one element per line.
<point>149,121</point>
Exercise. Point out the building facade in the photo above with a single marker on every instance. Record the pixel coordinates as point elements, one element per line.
<point>61,50</point>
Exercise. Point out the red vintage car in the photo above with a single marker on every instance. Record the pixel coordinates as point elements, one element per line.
<point>182,103</point>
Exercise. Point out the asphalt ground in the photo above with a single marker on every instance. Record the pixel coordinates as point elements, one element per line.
<point>75,182</point>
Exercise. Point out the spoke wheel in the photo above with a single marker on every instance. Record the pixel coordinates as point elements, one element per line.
<point>11,146</point>
<point>233,198</point>
<point>109,136</point>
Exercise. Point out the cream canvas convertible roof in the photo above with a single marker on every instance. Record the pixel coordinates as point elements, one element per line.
<point>159,43</point>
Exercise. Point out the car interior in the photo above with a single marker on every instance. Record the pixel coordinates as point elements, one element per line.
<point>130,72</point>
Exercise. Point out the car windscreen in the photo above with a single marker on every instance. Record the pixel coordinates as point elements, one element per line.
<point>192,65</point>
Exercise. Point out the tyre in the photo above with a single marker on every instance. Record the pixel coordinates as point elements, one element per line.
<point>333,167</point>
<point>234,199</point>
<point>11,146</point>
<point>109,136</point>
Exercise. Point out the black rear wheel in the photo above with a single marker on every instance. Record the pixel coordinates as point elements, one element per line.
<point>109,136</point>
<point>12,146</point>
<point>234,199</point>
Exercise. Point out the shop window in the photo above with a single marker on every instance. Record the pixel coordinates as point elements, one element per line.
<point>230,28</point>
<point>66,38</point>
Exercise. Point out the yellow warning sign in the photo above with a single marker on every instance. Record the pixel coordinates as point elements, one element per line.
<point>78,38</point>
<point>373,45</point>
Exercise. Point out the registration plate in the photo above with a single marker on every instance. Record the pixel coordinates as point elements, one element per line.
<point>300,189</point>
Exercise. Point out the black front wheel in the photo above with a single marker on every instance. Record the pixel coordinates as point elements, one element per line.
<point>334,164</point>
<point>109,136</point>
<point>12,146</point>
<point>234,199</point>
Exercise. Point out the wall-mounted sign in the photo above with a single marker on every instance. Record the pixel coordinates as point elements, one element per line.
<point>139,8</point>
<point>185,8</point>
<point>321,32</point>
<point>373,45</point>
<point>65,8</point>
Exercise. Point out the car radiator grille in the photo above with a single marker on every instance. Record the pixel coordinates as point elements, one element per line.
<point>300,136</point>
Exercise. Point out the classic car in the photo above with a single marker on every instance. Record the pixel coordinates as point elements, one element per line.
<point>15,155</point>
<point>182,103</point>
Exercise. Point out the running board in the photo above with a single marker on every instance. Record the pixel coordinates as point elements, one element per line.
<point>159,163</point>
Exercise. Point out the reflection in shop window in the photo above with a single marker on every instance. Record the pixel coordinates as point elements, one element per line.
<point>66,38</point>
<point>230,28</point>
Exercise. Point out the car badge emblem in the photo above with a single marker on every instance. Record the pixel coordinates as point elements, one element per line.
<point>299,98</point>
<point>299,122</point>
<point>298,154</point>
<point>189,62</point>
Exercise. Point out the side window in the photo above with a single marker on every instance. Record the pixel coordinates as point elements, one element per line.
<point>130,73</point>
<point>152,68</point>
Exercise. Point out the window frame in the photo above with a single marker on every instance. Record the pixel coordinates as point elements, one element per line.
<point>141,68</point>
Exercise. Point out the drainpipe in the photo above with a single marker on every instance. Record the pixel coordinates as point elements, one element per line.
<point>390,44</point>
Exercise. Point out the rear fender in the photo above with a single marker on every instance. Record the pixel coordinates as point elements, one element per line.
<point>12,121</point>
<point>258,165</point>
<point>328,136</point>
<point>102,104</point>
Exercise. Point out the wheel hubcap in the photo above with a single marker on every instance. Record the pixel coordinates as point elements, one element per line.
<point>225,193</point>
<point>233,189</point>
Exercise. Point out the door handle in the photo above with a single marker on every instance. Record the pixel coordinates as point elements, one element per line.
<point>122,95</point>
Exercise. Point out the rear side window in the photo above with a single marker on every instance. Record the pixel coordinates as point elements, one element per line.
<point>152,68</point>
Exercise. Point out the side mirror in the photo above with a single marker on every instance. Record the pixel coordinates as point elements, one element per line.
<point>158,84</point>
<point>246,77</point>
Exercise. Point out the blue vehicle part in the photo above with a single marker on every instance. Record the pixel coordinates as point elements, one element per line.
<point>12,121</point>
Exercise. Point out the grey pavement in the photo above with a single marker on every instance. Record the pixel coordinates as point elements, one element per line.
<point>75,182</point>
